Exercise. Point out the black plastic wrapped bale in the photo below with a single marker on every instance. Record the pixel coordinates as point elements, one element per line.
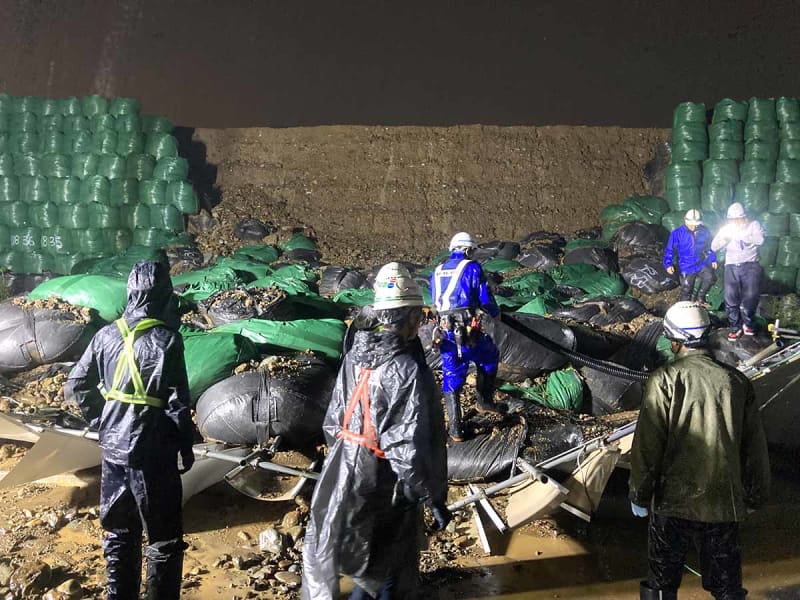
<point>486,455</point>
<point>549,433</point>
<point>183,259</point>
<point>290,402</point>
<point>540,258</point>
<point>304,255</point>
<point>648,275</point>
<point>611,394</point>
<point>543,238</point>
<point>602,258</point>
<point>238,304</point>
<point>335,279</point>
<point>522,357</point>
<point>600,311</point>
<point>496,249</point>
<point>37,336</point>
<point>638,235</point>
<point>251,230</point>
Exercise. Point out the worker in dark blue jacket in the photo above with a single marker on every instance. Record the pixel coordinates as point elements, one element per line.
<point>131,385</point>
<point>689,246</point>
<point>461,296</point>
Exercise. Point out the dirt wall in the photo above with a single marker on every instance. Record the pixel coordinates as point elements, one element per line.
<point>381,192</point>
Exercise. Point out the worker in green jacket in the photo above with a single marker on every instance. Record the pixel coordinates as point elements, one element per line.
<point>699,462</point>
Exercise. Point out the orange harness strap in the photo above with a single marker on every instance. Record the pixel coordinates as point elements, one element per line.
<point>368,438</point>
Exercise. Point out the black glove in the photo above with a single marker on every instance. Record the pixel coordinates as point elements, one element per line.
<point>187,458</point>
<point>442,516</point>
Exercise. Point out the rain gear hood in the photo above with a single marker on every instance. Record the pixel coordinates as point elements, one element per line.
<point>365,513</point>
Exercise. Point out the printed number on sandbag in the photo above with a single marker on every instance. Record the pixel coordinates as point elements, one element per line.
<point>643,275</point>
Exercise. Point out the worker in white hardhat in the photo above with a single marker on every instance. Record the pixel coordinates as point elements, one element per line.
<point>387,455</point>
<point>740,238</point>
<point>699,462</point>
<point>461,297</point>
<point>689,248</point>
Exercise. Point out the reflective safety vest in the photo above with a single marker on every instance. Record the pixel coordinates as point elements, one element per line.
<point>367,437</point>
<point>126,364</point>
<point>445,284</point>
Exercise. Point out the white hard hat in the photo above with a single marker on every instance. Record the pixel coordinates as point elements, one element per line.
<point>462,240</point>
<point>394,288</point>
<point>693,217</point>
<point>735,211</point>
<point>687,322</point>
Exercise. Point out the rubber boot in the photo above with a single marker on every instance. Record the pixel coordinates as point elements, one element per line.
<point>648,593</point>
<point>453,406</point>
<point>164,570</point>
<point>485,392</point>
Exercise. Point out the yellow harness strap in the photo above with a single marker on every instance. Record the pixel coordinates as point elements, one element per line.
<point>127,364</point>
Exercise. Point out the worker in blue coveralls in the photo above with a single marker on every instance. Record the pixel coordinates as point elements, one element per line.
<point>461,296</point>
<point>690,247</point>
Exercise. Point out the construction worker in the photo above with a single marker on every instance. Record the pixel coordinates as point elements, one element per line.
<point>386,456</point>
<point>741,239</point>
<point>689,246</point>
<point>461,297</point>
<point>698,463</point>
<point>131,385</point>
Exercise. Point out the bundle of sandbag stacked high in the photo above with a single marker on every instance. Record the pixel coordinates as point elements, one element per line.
<point>683,176</point>
<point>86,178</point>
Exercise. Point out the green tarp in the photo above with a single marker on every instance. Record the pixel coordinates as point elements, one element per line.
<point>211,356</point>
<point>107,295</point>
<point>319,335</point>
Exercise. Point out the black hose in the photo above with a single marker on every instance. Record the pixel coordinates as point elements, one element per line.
<point>577,358</point>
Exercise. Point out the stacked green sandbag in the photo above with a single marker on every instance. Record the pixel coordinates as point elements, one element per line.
<point>649,209</point>
<point>683,177</point>
<point>86,178</point>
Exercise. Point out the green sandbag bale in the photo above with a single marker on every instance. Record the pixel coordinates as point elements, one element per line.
<point>779,280</point>
<point>725,150</point>
<point>152,237</point>
<point>26,165</point>
<point>124,192</point>
<point>601,283</point>
<point>784,198</point>
<point>84,165</point>
<point>13,261</point>
<point>689,112</point>
<point>25,239</point>
<point>712,219</point>
<point>617,213</point>
<point>101,122</point>
<point>181,194</point>
<point>571,274</point>
<point>720,172</point>
<point>92,242</point>
<point>124,106</point>
<point>49,107</point>
<point>171,168</point>
<point>79,142</point>
<point>757,171</point>
<point>673,220</point>
<point>774,225</point>
<point>298,242</point>
<point>610,228</point>
<point>9,189</point>
<point>727,130</point>
<point>716,197</point>
<point>260,253</point>
<point>104,141</point>
<point>787,171</point>
<point>73,216</point>
<point>76,123</point>
<point>691,132</point>
<point>107,295</point>
<point>137,216</point>
<point>111,166</point>
<point>57,240</point>
<point>53,141</point>
<point>36,262</point>
<point>160,145</point>
<point>584,243</point>
<point>768,251</point>
<point>766,131</point>
<point>24,121</point>
<point>500,265</point>
<point>211,356</point>
<point>649,207</point>
<point>121,265</point>
<point>93,105</point>
<point>753,196</point>
<point>789,131</point>
<point>532,284</point>
<point>140,166</point>
<point>119,240</point>
<point>156,124</point>
<point>7,165</point>
<point>55,165</point>
<point>34,190</point>
<point>104,216</point>
<point>761,109</point>
<point>794,225</point>
<point>788,252</point>
<point>564,390</point>
<point>96,188</point>
<point>290,285</point>
<point>354,297</point>
<point>64,263</point>
<point>250,270</point>
<point>542,305</point>
<point>5,239</point>
<point>5,143</point>
<point>324,336</point>
<point>789,149</point>
<point>130,142</point>
<point>685,150</point>
<point>683,174</point>
<point>729,110</point>
<point>683,198</point>
<point>202,283</point>
<point>44,214</point>
<point>787,109</point>
<point>301,272</point>
<point>14,214</point>
<point>152,192</point>
<point>23,142</point>
<point>167,217</point>
<point>128,123</point>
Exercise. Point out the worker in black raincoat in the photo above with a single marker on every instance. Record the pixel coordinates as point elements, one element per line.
<point>387,455</point>
<point>131,385</point>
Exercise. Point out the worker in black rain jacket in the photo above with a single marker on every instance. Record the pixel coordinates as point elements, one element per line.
<point>387,455</point>
<point>699,462</point>
<point>131,385</point>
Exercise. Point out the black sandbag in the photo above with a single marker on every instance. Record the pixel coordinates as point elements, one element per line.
<point>30,336</point>
<point>639,234</point>
<point>238,304</point>
<point>544,239</point>
<point>335,279</point>
<point>647,274</point>
<point>251,230</point>
<point>522,357</point>
<point>602,258</point>
<point>540,258</point>
<point>496,249</point>
<point>184,259</point>
<point>547,440</point>
<point>596,343</point>
<point>733,352</point>
<point>305,255</point>
<point>290,402</point>
<point>591,233</point>
<point>603,311</point>
<point>642,352</point>
<point>609,394</point>
<point>485,456</point>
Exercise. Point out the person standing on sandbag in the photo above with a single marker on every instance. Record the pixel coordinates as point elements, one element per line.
<point>131,384</point>
<point>386,456</point>
<point>699,462</point>
<point>741,239</point>
<point>461,297</point>
<point>690,247</point>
